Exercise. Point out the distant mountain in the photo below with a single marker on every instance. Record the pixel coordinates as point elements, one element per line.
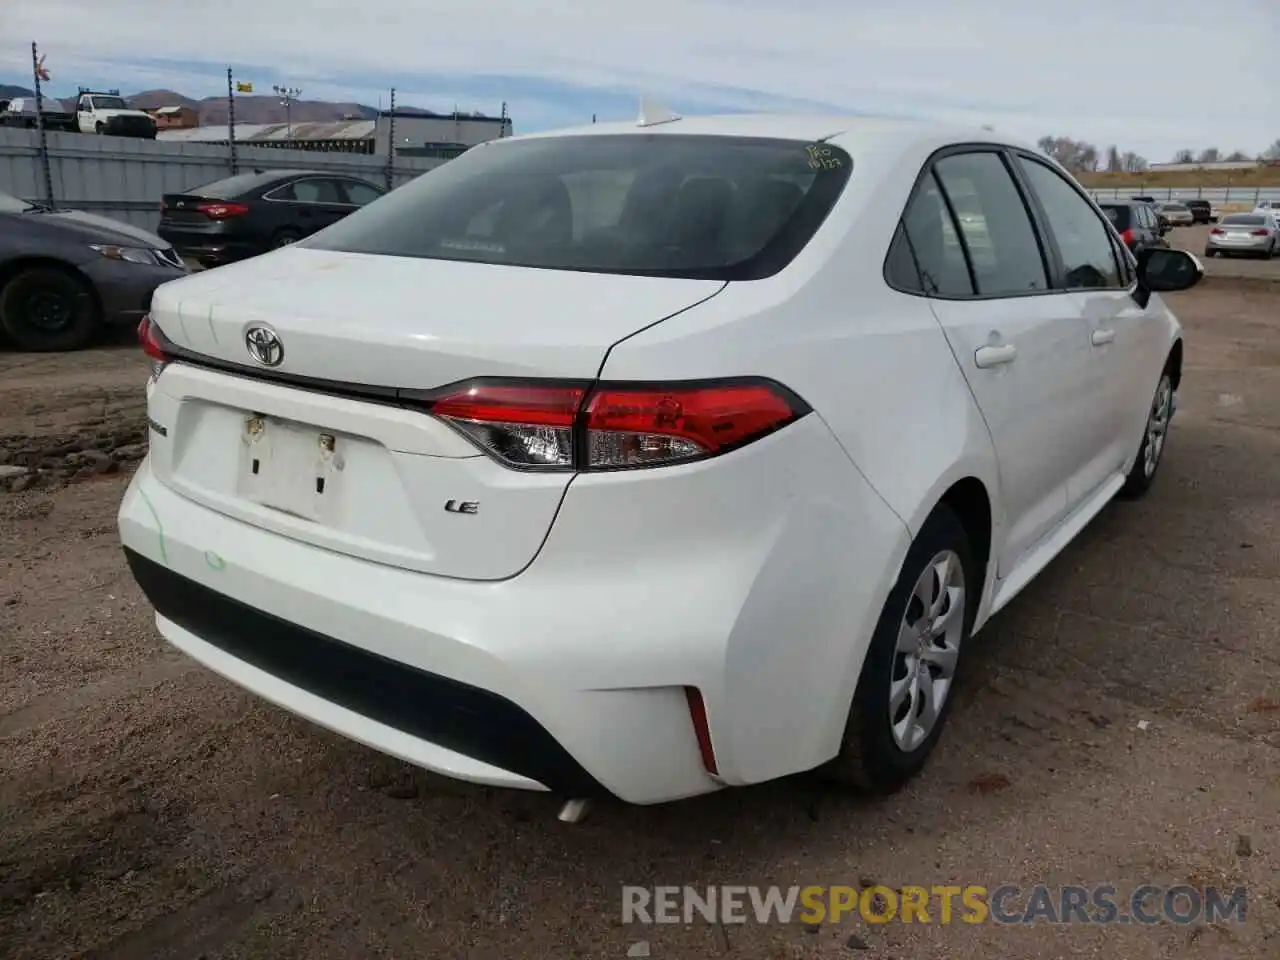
<point>249,108</point>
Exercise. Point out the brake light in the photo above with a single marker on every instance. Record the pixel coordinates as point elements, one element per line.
<point>1127,236</point>
<point>615,426</point>
<point>164,207</point>
<point>222,211</point>
<point>1217,232</point>
<point>702,729</point>
<point>149,339</point>
<point>1259,233</point>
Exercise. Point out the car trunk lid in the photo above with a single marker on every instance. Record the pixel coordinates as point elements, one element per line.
<point>325,452</point>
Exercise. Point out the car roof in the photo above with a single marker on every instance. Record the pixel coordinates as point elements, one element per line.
<point>867,132</point>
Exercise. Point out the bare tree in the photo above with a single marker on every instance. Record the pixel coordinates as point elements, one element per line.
<point>1272,152</point>
<point>1133,163</point>
<point>1209,155</point>
<point>1185,155</point>
<point>1115,163</point>
<point>1237,156</point>
<point>1072,154</point>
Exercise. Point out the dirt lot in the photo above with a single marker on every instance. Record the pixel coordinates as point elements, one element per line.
<point>1121,725</point>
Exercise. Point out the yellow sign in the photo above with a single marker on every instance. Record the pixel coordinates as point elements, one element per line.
<point>243,86</point>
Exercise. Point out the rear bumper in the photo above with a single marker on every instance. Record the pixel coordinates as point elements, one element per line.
<point>570,676</point>
<point>1260,245</point>
<point>210,249</point>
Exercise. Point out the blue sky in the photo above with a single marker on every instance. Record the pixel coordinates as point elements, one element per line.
<point>1166,77</point>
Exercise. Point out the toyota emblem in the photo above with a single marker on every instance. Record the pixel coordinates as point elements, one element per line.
<point>264,346</point>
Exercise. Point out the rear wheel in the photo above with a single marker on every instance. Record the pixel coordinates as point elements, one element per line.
<point>1154,435</point>
<point>284,238</point>
<point>904,693</point>
<point>99,128</point>
<point>48,309</point>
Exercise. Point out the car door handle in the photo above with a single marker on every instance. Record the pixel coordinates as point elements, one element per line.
<point>986,357</point>
<point>1100,338</point>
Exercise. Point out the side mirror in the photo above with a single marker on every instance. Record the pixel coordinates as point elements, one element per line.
<point>1165,270</point>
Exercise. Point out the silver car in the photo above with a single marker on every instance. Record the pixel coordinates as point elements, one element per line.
<point>1256,234</point>
<point>1178,214</point>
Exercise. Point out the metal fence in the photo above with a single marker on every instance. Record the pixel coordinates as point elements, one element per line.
<point>124,178</point>
<point>1244,196</point>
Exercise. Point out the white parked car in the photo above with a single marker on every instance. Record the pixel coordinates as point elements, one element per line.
<point>1268,208</point>
<point>649,460</point>
<point>109,113</point>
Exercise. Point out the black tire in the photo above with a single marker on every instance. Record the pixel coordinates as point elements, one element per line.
<point>48,309</point>
<point>284,238</point>
<point>99,128</point>
<point>1143,473</point>
<point>870,759</point>
<point>1271,251</point>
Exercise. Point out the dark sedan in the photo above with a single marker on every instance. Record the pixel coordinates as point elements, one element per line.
<point>251,213</point>
<point>66,274</point>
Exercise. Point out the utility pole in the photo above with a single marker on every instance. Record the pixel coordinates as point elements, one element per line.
<point>505,120</point>
<point>37,70</point>
<point>287,96</point>
<point>231,121</point>
<point>391,143</point>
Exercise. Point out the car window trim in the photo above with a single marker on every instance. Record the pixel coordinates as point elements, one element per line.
<point>1048,255</point>
<point>1107,225</point>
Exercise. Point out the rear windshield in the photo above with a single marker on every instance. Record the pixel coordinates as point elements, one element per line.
<point>666,205</point>
<point>1245,220</point>
<point>1173,207</point>
<point>231,187</point>
<point>1117,215</point>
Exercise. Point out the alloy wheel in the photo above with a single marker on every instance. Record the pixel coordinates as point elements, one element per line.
<point>1158,426</point>
<point>928,650</point>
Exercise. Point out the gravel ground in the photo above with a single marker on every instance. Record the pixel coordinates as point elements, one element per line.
<point>1121,724</point>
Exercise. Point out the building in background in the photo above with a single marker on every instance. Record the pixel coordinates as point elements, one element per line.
<point>417,134</point>
<point>175,118</point>
<point>441,136</point>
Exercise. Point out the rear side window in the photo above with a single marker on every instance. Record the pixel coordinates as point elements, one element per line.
<point>317,191</point>
<point>900,266</point>
<point>670,205</point>
<point>993,222</point>
<point>360,193</point>
<point>1245,220</point>
<point>938,252</point>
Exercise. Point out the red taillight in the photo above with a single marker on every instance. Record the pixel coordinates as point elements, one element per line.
<point>164,207</point>
<point>1217,232</point>
<point>1127,237</point>
<point>150,341</point>
<point>702,729</point>
<point>221,211</point>
<point>615,426</point>
<point>1259,233</point>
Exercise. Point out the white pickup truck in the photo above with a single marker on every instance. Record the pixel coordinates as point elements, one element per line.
<point>108,113</point>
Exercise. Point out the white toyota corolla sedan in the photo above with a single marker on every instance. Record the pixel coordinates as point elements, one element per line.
<point>645,460</point>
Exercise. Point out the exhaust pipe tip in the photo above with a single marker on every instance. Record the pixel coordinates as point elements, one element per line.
<point>574,811</point>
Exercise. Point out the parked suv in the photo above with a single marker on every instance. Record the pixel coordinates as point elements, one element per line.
<point>1136,222</point>
<point>649,464</point>
<point>1201,211</point>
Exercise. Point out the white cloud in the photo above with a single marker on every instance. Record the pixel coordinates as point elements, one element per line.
<point>1153,77</point>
